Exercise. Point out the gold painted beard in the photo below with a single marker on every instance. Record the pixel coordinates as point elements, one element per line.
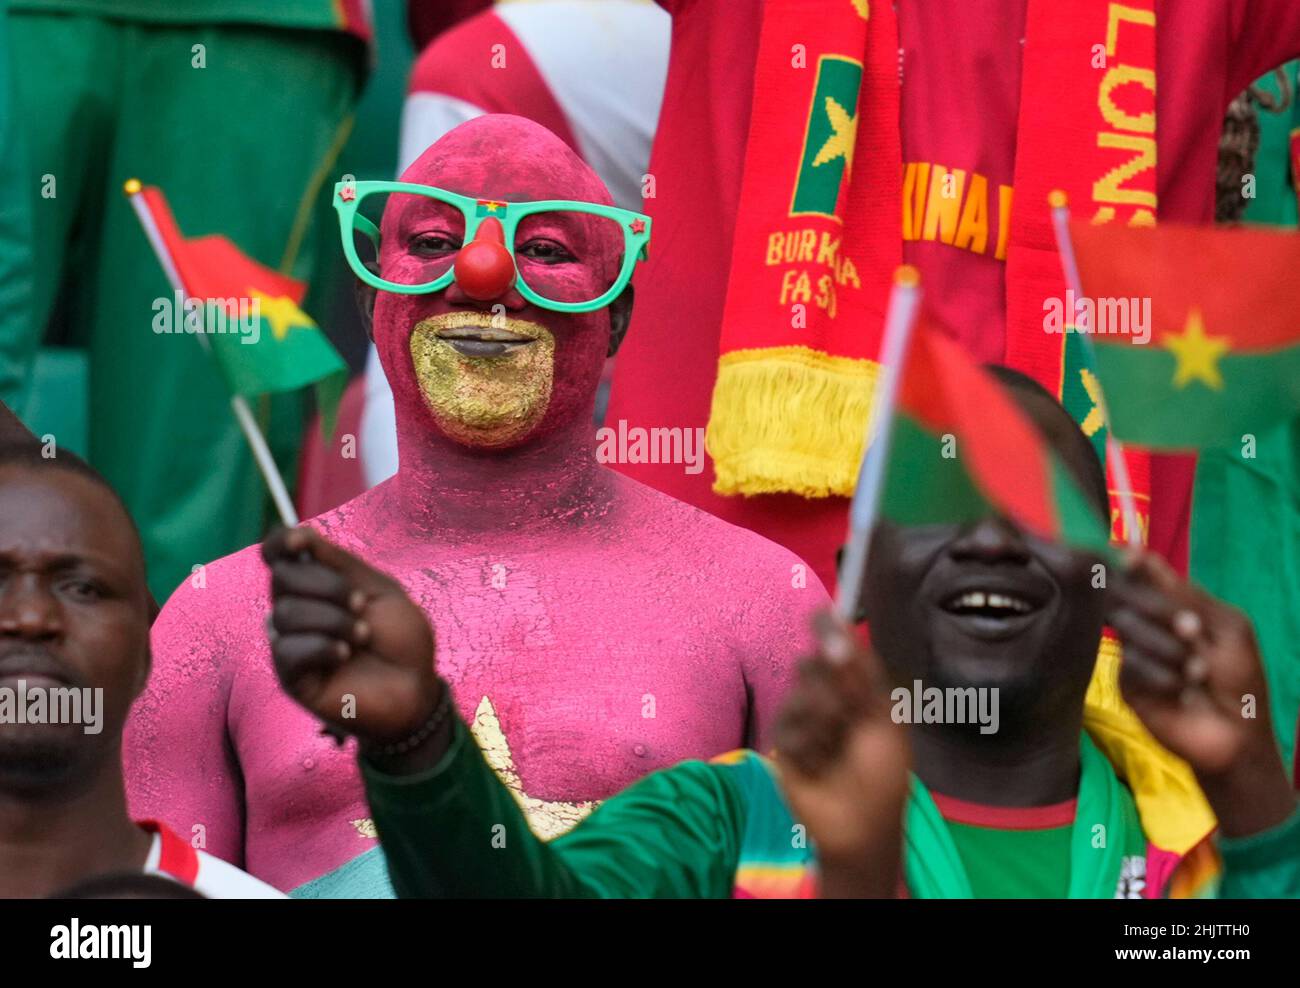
<point>484,400</point>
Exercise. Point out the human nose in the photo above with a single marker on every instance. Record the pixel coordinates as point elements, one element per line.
<point>28,610</point>
<point>990,540</point>
<point>484,269</point>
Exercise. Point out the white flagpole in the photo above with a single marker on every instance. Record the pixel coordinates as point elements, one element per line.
<point>904,300</point>
<point>1114,451</point>
<point>243,414</point>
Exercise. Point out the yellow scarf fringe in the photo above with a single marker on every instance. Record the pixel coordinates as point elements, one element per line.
<point>789,419</point>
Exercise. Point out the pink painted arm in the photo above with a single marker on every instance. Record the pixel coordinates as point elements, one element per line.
<point>777,628</point>
<point>178,761</point>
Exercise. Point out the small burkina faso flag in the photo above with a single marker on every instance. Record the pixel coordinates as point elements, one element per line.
<point>1220,374</point>
<point>1220,358</point>
<point>961,449</point>
<point>260,339</point>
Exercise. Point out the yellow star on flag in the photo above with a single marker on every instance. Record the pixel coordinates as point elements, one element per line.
<point>281,313</point>
<point>1197,353</point>
<point>1096,416</point>
<point>841,142</point>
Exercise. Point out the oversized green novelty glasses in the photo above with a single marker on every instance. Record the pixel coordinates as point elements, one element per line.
<point>559,254</point>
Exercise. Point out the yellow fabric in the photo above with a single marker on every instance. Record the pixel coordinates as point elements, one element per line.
<point>1174,812</point>
<point>789,419</point>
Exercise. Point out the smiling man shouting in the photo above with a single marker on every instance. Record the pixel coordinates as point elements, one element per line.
<point>594,629</point>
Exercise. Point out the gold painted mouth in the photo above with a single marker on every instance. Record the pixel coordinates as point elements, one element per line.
<point>482,326</point>
<point>485,378</point>
<point>487,335</point>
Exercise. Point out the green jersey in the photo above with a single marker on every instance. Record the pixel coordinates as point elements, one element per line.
<point>722,829</point>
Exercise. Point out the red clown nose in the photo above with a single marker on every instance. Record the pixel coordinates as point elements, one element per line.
<point>484,268</point>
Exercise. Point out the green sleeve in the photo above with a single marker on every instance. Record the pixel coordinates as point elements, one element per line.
<point>1263,866</point>
<point>456,831</point>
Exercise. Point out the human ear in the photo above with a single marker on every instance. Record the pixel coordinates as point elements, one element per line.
<point>620,314</point>
<point>365,296</point>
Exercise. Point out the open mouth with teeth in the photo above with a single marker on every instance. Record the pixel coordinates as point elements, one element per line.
<point>987,604</point>
<point>483,341</point>
<point>992,613</point>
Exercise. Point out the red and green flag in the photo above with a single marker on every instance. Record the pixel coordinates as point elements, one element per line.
<point>1245,525</point>
<point>261,340</point>
<point>961,449</point>
<point>1219,374</point>
<point>1196,330</point>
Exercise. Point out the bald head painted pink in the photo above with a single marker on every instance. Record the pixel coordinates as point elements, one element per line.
<point>504,158</point>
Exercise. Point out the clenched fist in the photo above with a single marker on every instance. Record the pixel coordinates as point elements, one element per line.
<point>347,642</point>
<point>1192,672</point>
<point>844,763</point>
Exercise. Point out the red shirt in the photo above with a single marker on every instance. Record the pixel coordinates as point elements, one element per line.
<point>1207,51</point>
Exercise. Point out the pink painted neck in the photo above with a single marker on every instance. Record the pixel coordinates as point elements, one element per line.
<point>459,492</point>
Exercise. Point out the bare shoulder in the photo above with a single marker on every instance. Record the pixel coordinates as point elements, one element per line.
<point>236,588</point>
<point>215,613</point>
<point>351,524</point>
<point>738,565</point>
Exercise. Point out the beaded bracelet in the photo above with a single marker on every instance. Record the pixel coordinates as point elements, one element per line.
<point>440,714</point>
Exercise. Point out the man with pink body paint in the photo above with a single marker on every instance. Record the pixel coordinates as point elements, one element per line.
<point>592,629</point>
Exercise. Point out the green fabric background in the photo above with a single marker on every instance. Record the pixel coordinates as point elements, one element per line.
<point>240,146</point>
<point>1245,539</point>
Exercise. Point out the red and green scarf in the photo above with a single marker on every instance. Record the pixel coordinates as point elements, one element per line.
<point>818,235</point>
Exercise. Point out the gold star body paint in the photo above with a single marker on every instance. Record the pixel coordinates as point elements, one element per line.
<point>488,400</point>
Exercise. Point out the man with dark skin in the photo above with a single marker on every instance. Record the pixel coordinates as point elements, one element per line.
<point>74,614</point>
<point>1014,813</point>
<point>1042,669</point>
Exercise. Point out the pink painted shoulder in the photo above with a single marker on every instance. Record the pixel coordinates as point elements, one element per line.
<point>764,596</point>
